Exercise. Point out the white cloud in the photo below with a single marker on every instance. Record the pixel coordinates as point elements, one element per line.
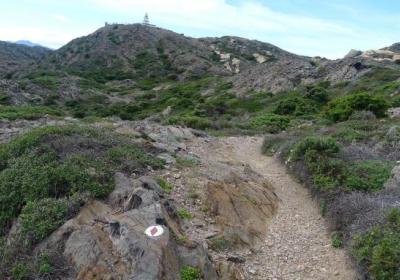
<point>47,37</point>
<point>60,18</point>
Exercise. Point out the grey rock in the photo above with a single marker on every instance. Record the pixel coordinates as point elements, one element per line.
<point>167,158</point>
<point>394,181</point>
<point>149,183</point>
<point>81,249</point>
<point>394,113</point>
<point>353,53</point>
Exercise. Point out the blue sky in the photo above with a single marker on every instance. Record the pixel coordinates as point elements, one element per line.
<point>307,27</point>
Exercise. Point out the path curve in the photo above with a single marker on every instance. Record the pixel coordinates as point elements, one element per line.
<point>297,244</point>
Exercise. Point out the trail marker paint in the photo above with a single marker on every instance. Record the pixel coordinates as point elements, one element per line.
<point>154,231</point>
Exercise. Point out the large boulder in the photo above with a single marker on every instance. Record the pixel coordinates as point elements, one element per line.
<point>108,240</point>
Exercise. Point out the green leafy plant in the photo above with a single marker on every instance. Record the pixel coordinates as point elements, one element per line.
<point>379,249</point>
<point>270,122</point>
<point>191,121</point>
<point>45,268</point>
<point>368,175</point>
<point>56,162</point>
<point>322,145</point>
<point>337,240</point>
<point>20,271</point>
<point>184,214</point>
<point>190,273</point>
<point>167,187</point>
<point>342,108</point>
<point>39,218</point>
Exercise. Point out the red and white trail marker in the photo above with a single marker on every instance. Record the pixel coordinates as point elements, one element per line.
<point>154,231</point>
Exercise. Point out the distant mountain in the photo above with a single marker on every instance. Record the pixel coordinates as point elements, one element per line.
<point>28,43</point>
<point>13,56</point>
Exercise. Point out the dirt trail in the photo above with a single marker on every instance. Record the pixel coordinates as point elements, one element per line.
<point>297,244</point>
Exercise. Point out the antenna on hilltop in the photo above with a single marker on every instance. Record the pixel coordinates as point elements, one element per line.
<point>146,20</point>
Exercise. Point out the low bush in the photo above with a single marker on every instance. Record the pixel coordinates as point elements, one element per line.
<point>56,162</point>
<point>191,121</point>
<point>337,240</point>
<point>26,112</point>
<point>185,161</point>
<point>190,273</point>
<point>167,187</point>
<point>184,214</point>
<point>220,243</point>
<point>41,217</point>
<point>379,249</point>
<point>322,145</point>
<point>273,143</point>
<point>45,267</point>
<point>20,271</point>
<point>318,94</point>
<point>296,106</point>
<point>47,81</point>
<point>341,109</point>
<point>368,175</point>
<point>270,123</point>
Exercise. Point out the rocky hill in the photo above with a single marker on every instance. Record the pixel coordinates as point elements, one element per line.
<point>136,52</point>
<point>149,55</point>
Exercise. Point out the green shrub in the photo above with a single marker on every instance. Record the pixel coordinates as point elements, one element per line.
<point>296,106</point>
<point>4,99</point>
<point>45,268</point>
<point>342,108</point>
<point>317,94</point>
<point>379,249</point>
<point>167,187</point>
<point>272,143</point>
<point>26,112</point>
<point>184,214</point>
<point>56,162</point>
<point>270,123</point>
<point>191,121</point>
<point>348,134</point>
<point>368,175</point>
<point>325,183</point>
<point>49,82</point>
<point>220,243</point>
<point>337,240</point>
<point>322,145</point>
<point>20,271</point>
<point>186,161</point>
<point>395,102</point>
<point>39,218</point>
<point>190,273</point>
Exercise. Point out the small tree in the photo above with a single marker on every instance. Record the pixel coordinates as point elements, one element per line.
<point>146,20</point>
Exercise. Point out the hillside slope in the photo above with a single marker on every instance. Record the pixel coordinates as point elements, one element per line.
<point>13,56</point>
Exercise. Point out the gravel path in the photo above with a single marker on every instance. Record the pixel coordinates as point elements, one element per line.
<point>297,244</point>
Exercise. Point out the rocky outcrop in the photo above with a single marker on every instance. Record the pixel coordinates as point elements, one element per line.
<point>107,240</point>
<point>241,209</point>
<point>353,53</point>
<point>394,113</point>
